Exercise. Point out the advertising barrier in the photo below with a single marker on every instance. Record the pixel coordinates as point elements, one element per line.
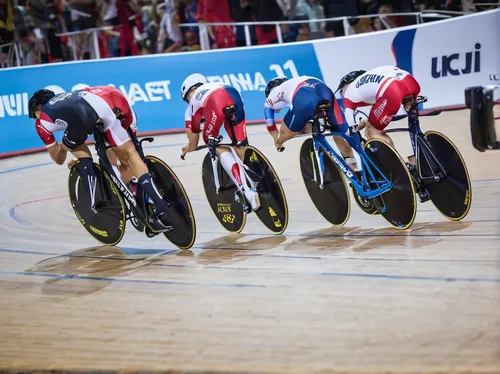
<point>445,57</point>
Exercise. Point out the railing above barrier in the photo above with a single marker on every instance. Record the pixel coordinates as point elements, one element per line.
<point>205,39</point>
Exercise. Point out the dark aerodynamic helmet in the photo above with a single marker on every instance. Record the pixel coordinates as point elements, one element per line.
<point>39,97</point>
<point>349,78</point>
<point>275,82</point>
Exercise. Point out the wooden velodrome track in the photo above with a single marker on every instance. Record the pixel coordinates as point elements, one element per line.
<point>363,298</point>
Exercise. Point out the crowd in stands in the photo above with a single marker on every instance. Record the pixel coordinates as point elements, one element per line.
<point>138,27</point>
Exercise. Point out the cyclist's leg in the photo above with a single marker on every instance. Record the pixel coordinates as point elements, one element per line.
<point>303,108</point>
<point>215,119</point>
<point>412,92</point>
<point>122,170</point>
<point>239,126</point>
<point>337,120</point>
<point>214,113</point>
<point>384,109</point>
<point>74,138</point>
<point>124,149</point>
<point>126,115</point>
<point>239,122</point>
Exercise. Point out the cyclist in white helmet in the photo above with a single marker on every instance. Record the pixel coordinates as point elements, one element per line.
<point>302,95</point>
<point>205,114</point>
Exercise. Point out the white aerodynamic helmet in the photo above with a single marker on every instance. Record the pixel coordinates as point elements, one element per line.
<point>194,80</point>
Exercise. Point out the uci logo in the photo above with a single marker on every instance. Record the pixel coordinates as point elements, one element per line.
<point>495,77</point>
<point>471,63</point>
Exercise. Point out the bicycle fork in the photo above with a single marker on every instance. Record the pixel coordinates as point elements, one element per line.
<point>215,169</point>
<point>319,157</point>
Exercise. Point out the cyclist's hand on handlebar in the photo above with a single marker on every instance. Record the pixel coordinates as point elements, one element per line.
<point>72,162</point>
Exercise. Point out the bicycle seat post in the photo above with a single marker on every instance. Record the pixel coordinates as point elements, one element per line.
<point>321,113</point>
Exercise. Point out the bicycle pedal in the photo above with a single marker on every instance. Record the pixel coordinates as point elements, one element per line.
<point>424,196</point>
<point>157,226</point>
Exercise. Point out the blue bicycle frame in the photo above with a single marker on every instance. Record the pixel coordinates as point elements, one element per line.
<point>362,187</point>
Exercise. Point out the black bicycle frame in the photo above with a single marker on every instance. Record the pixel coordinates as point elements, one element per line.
<point>421,146</point>
<point>138,208</point>
<point>418,142</point>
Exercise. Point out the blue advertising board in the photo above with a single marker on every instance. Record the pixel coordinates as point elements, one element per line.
<point>151,83</point>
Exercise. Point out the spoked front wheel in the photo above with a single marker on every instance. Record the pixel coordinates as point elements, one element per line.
<point>399,204</point>
<point>274,208</point>
<point>107,223</point>
<point>332,201</point>
<point>179,212</point>
<point>450,191</point>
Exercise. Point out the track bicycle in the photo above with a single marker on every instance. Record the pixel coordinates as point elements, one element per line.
<point>383,183</point>
<point>228,203</point>
<point>104,214</point>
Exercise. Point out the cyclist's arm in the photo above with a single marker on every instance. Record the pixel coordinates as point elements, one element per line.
<point>192,131</point>
<point>193,139</point>
<point>350,110</point>
<point>270,123</point>
<point>58,152</point>
<point>349,116</point>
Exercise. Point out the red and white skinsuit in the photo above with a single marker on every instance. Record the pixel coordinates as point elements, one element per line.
<point>384,88</point>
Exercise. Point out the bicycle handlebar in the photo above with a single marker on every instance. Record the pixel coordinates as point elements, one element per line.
<point>149,140</point>
<point>218,144</point>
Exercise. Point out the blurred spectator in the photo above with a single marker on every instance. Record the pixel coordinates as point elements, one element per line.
<point>170,36</point>
<point>214,11</point>
<point>363,25</point>
<point>191,41</point>
<point>266,11</point>
<point>301,11</point>
<point>304,33</point>
<point>241,11</point>
<point>339,8</point>
<point>380,23</point>
<point>126,10</point>
<point>6,21</point>
<point>109,13</point>
<point>150,29</point>
<point>190,9</point>
<point>317,12</point>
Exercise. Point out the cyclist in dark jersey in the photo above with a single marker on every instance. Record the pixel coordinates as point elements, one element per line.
<point>76,113</point>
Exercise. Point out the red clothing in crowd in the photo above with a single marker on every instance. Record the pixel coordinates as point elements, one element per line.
<point>213,11</point>
<point>126,32</point>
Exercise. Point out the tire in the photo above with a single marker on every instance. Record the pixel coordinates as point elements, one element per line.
<point>108,224</point>
<point>399,205</point>
<point>179,212</point>
<point>333,201</point>
<point>452,195</point>
<point>273,212</point>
